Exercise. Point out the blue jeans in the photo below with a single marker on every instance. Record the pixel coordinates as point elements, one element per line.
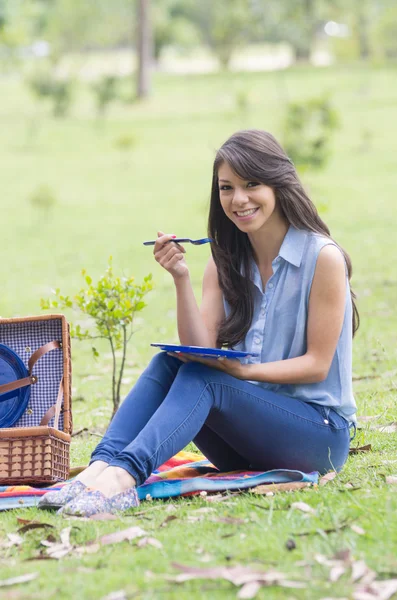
<point>236,424</point>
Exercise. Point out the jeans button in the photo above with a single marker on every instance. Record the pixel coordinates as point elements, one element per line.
<point>326,421</point>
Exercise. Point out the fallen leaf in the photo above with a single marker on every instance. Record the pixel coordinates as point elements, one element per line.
<point>377,590</point>
<point>60,549</point>
<point>192,519</point>
<point>34,525</point>
<point>121,536</point>
<point>14,539</point>
<point>120,595</point>
<point>231,520</point>
<point>360,570</point>
<point>366,418</point>
<point>65,536</point>
<point>270,488</point>
<point>303,507</point>
<point>328,477</point>
<point>391,479</point>
<point>26,521</point>
<point>238,575</point>
<point>336,572</point>
<point>90,548</point>
<point>149,541</point>
<point>20,579</point>
<point>389,428</point>
<point>357,529</point>
<point>344,555</point>
<point>249,590</point>
<point>167,520</point>
<point>351,486</point>
<point>359,449</point>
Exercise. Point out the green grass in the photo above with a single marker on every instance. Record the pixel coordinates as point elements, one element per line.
<point>107,204</point>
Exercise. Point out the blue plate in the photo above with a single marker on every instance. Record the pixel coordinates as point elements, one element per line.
<point>201,351</point>
<point>12,404</point>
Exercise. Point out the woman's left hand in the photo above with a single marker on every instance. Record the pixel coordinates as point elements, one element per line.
<point>232,367</point>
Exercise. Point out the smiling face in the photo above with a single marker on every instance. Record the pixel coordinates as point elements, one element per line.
<point>251,205</point>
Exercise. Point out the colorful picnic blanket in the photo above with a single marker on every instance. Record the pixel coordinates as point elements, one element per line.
<point>185,474</point>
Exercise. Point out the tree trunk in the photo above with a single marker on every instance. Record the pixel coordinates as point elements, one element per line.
<point>144,48</point>
<point>363,37</point>
<point>303,50</point>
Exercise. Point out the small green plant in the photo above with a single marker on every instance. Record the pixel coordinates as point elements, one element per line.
<point>111,304</point>
<point>44,84</point>
<point>125,143</point>
<point>242,101</point>
<point>43,199</point>
<point>308,127</point>
<point>105,90</point>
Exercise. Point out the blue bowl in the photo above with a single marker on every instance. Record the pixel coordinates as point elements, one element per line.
<point>12,404</point>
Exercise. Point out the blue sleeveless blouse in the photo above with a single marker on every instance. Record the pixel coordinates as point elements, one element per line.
<point>278,328</point>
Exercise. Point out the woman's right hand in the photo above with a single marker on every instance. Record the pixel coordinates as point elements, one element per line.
<point>170,255</point>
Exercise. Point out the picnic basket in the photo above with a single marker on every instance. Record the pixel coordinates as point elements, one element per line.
<point>36,449</point>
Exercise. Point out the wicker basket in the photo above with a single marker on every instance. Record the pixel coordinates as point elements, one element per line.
<point>36,451</point>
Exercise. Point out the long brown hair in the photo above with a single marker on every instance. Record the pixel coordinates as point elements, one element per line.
<point>256,155</point>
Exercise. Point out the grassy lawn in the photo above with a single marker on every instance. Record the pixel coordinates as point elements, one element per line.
<point>107,203</point>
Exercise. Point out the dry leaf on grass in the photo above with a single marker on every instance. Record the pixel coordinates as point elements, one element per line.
<point>20,579</point>
<point>280,487</point>
<point>167,520</point>
<point>121,536</point>
<point>238,575</point>
<point>229,520</point>
<point>359,449</point>
<point>103,517</point>
<point>149,541</point>
<point>34,525</point>
<point>328,477</point>
<point>388,428</point>
<point>377,590</point>
<point>204,510</point>
<point>366,418</point>
<point>361,571</point>
<point>14,539</point>
<point>119,595</point>
<point>219,498</point>
<point>303,507</point>
<point>391,479</point>
<point>249,590</point>
<point>357,529</point>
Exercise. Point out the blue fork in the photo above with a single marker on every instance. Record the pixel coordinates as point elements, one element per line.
<point>182,240</point>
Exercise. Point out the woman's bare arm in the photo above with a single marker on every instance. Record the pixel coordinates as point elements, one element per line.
<point>325,320</point>
<point>198,327</point>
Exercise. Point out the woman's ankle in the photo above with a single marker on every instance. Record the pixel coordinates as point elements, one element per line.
<point>93,471</point>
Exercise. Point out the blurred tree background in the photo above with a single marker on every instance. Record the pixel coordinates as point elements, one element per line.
<point>341,29</point>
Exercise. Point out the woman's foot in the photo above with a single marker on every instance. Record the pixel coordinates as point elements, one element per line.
<point>58,498</point>
<point>91,473</point>
<point>112,481</point>
<point>114,491</point>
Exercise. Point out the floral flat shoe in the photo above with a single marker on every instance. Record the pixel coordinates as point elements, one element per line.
<point>58,498</point>
<point>124,500</point>
<point>93,502</point>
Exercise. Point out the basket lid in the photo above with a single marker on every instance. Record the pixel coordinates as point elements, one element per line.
<point>12,404</point>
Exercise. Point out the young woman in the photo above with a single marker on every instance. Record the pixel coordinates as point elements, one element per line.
<point>276,285</point>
